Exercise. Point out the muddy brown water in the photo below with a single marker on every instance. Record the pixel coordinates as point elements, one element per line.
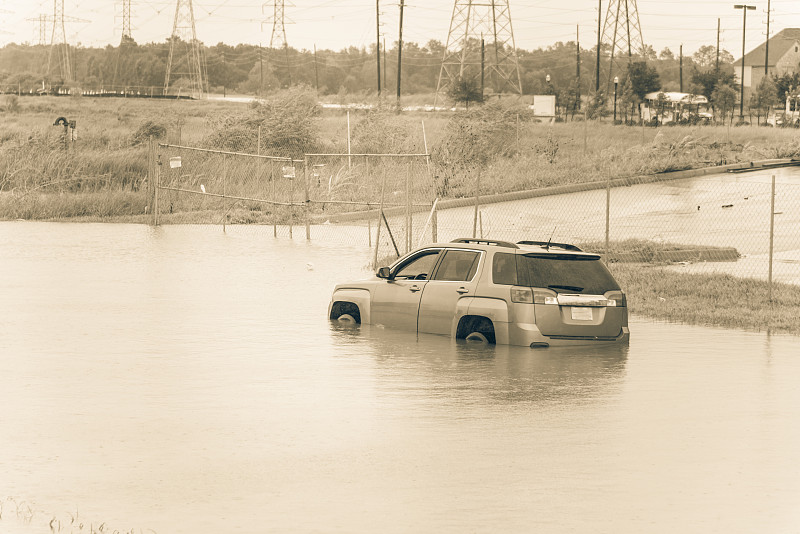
<point>187,381</point>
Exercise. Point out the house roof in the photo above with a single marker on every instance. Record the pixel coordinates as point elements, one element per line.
<point>779,44</point>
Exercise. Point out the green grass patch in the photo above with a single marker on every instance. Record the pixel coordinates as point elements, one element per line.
<point>709,299</point>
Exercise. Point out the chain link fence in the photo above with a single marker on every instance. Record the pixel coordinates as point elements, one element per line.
<point>722,219</point>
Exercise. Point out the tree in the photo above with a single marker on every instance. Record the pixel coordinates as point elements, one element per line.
<point>706,56</point>
<point>764,97</point>
<point>628,100</point>
<point>707,81</point>
<point>786,83</point>
<point>666,54</point>
<point>644,78</point>
<point>464,91</point>
<point>724,100</point>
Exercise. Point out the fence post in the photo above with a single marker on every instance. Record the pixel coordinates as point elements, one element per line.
<point>274,199</point>
<point>224,183</point>
<point>435,225</point>
<point>151,174</point>
<point>771,234</point>
<point>156,186</point>
<point>349,161</point>
<point>380,215</point>
<point>291,199</point>
<point>477,205</point>
<point>608,213</point>
<point>408,209</point>
<point>308,201</point>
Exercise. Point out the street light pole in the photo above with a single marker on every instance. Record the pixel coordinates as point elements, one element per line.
<point>745,8</point>
<point>616,82</point>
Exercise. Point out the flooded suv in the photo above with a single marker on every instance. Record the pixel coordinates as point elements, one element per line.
<point>529,293</point>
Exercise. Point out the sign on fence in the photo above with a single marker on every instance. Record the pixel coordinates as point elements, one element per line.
<point>288,172</point>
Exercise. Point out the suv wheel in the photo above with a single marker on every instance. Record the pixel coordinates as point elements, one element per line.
<point>346,312</point>
<point>478,329</point>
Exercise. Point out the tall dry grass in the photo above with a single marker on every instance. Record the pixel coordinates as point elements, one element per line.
<point>499,145</point>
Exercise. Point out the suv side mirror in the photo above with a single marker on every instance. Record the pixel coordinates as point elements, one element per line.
<point>383,272</point>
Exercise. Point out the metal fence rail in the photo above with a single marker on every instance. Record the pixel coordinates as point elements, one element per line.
<point>725,222</point>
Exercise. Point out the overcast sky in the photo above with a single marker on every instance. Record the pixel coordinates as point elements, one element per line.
<point>337,24</point>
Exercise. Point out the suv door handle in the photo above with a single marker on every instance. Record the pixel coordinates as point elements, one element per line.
<point>462,290</point>
<point>414,288</point>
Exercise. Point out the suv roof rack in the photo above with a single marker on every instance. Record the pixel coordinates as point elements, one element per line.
<point>476,241</point>
<point>548,244</point>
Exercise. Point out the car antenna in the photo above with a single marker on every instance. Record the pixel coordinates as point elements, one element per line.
<point>547,248</point>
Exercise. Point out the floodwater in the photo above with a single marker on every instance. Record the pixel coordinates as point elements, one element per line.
<point>185,380</point>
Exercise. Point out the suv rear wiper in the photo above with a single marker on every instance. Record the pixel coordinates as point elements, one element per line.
<point>568,288</point>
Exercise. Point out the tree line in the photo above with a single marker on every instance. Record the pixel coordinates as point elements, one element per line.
<point>559,69</point>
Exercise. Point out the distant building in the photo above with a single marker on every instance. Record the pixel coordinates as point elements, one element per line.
<point>784,57</point>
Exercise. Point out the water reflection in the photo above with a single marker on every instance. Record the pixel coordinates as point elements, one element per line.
<point>499,373</point>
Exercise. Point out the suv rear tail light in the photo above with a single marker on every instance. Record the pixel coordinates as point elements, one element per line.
<point>544,297</point>
<point>617,299</point>
<point>523,295</point>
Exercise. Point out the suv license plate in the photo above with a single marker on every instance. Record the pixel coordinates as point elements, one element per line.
<point>581,314</point>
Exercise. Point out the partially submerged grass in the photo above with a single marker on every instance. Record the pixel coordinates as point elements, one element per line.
<point>660,293</point>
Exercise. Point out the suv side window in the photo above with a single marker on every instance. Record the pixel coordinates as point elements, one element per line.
<point>504,269</point>
<point>419,267</point>
<point>457,266</point>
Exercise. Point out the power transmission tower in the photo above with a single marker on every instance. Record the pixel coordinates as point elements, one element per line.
<point>58,43</point>
<point>41,20</point>
<point>188,61</point>
<point>473,22</point>
<point>278,37</point>
<point>125,38</point>
<point>126,20</point>
<point>623,34</point>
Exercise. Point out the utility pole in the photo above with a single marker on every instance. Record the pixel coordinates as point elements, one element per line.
<point>377,41</point>
<point>400,53</point>
<point>766,45</point>
<point>599,35</point>
<point>680,66</point>
<point>260,71</point>
<point>578,65</point>
<point>716,65</point>
<point>745,8</point>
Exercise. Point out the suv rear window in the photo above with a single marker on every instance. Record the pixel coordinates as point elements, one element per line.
<point>565,273</point>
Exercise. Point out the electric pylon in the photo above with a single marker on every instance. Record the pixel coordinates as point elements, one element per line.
<point>188,62</point>
<point>473,23</point>
<point>623,34</point>
<point>41,20</point>
<point>278,37</point>
<point>58,43</point>
<point>124,38</point>
<point>126,20</point>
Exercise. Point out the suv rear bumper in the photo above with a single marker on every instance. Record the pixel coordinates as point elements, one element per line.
<point>528,335</point>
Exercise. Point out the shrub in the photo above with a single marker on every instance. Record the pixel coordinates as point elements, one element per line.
<point>146,130</point>
<point>286,120</point>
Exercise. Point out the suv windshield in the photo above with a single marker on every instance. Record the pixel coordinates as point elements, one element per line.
<point>565,273</point>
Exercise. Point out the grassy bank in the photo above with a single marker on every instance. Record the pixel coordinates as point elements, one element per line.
<point>709,299</point>
<point>504,148</point>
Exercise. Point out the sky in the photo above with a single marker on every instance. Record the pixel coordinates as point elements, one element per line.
<point>338,24</point>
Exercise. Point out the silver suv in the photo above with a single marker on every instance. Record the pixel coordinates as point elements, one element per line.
<point>530,293</point>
